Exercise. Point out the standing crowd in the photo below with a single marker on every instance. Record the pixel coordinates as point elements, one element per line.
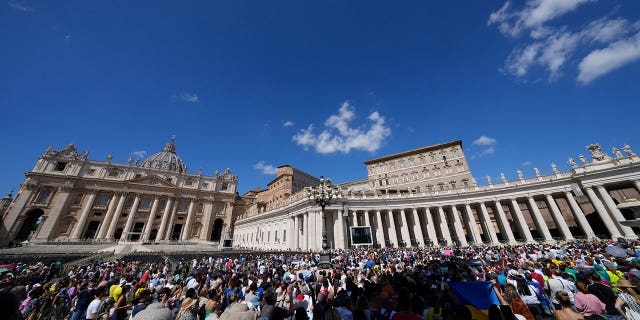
<point>591,280</point>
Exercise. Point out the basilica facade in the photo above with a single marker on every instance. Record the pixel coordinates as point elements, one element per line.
<point>428,197</point>
<point>68,197</point>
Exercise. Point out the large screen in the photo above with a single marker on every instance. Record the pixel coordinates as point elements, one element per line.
<point>227,243</point>
<point>361,236</point>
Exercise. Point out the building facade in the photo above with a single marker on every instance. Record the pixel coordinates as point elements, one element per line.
<point>68,197</point>
<point>587,201</point>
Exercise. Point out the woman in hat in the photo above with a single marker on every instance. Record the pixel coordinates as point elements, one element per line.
<point>188,310</point>
<point>629,302</point>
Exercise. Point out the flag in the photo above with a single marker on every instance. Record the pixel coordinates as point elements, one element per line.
<point>478,296</point>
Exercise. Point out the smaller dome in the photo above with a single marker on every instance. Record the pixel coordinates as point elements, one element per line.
<point>167,159</point>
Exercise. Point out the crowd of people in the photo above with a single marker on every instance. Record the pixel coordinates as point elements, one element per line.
<point>589,280</point>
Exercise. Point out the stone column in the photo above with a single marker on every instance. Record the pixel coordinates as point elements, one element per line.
<point>340,241</point>
<point>132,213</point>
<point>458,226</point>
<point>47,227</point>
<point>104,226</point>
<point>636,183</point>
<point>404,230</point>
<point>380,230</point>
<point>617,215</point>
<point>206,223</point>
<point>493,237</point>
<point>539,220</point>
<point>166,214</point>
<point>172,217</point>
<point>296,233</point>
<point>355,218</point>
<point>473,225</point>
<point>417,228</point>
<point>579,215</point>
<point>116,216</point>
<point>149,225</point>
<point>305,230</point>
<point>86,209</point>
<point>502,220</point>
<point>557,215</point>
<point>444,227</point>
<point>393,237</point>
<point>602,212</point>
<point>522,223</point>
<point>9,222</point>
<point>291,226</point>
<point>314,234</point>
<point>186,231</point>
<point>431,228</point>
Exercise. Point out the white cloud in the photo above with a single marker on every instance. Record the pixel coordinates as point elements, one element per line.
<point>487,143</point>
<point>287,123</point>
<point>527,164</point>
<point>339,136</point>
<point>554,47</point>
<point>536,12</point>
<point>140,154</point>
<point>603,61</point>
<point>266,168</point>
<point>187,97</point>
<point>19,6</point>
<point>484,141</point>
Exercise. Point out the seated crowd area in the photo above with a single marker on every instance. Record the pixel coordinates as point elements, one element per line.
<point>588,280</point>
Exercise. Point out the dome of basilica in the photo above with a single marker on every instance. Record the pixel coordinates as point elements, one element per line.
<point>167,159</point>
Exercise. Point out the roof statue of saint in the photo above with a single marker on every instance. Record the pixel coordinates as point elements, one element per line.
<point>167,159</point>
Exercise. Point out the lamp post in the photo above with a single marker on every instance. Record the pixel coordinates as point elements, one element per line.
<point>324,194</point>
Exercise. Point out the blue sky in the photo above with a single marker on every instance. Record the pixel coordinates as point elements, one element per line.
<point>321,86</point>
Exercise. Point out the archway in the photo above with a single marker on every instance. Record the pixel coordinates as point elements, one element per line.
<point>216,233</point>
<point>30,224</point>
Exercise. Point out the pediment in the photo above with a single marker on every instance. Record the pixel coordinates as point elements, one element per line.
<point>152,180</point>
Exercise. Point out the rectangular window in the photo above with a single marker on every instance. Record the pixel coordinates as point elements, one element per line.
<point>182,206</point>
<point>220,209</point>
<point>224,187</point>
<point>146,203</point>
<point>129,203</point>
<point>91,172</point>
<point>60,166</point>
<point>43,196</point>
<point>114,173</point>
<point>465,183</point>
<point>77,200</point>
<point>162,205</point>
<point>205,186</point>
<point>103,200</point>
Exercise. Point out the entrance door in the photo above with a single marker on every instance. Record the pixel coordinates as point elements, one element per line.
<point>137,229</point>
<point>30,224</point>
<point>92,230</point>
<point>175,235</point>
<point>216,233</point>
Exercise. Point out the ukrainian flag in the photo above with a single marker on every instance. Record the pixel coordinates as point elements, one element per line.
<point>478,296</point>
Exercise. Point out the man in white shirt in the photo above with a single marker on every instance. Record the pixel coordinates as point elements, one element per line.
<point>92,309</point>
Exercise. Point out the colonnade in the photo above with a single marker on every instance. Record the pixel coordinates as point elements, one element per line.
<point>461,222</point>
<point>114,217</point>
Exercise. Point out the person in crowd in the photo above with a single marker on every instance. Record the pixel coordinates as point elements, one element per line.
<point>588,304</point>
<point>566,311</point>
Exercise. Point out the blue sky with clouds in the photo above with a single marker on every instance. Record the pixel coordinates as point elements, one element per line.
<point>251,85</point>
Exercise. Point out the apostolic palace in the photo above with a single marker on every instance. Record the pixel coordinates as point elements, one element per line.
<point>422,197</point>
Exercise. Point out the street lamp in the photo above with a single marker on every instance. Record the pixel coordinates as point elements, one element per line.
<point>324,194</point>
